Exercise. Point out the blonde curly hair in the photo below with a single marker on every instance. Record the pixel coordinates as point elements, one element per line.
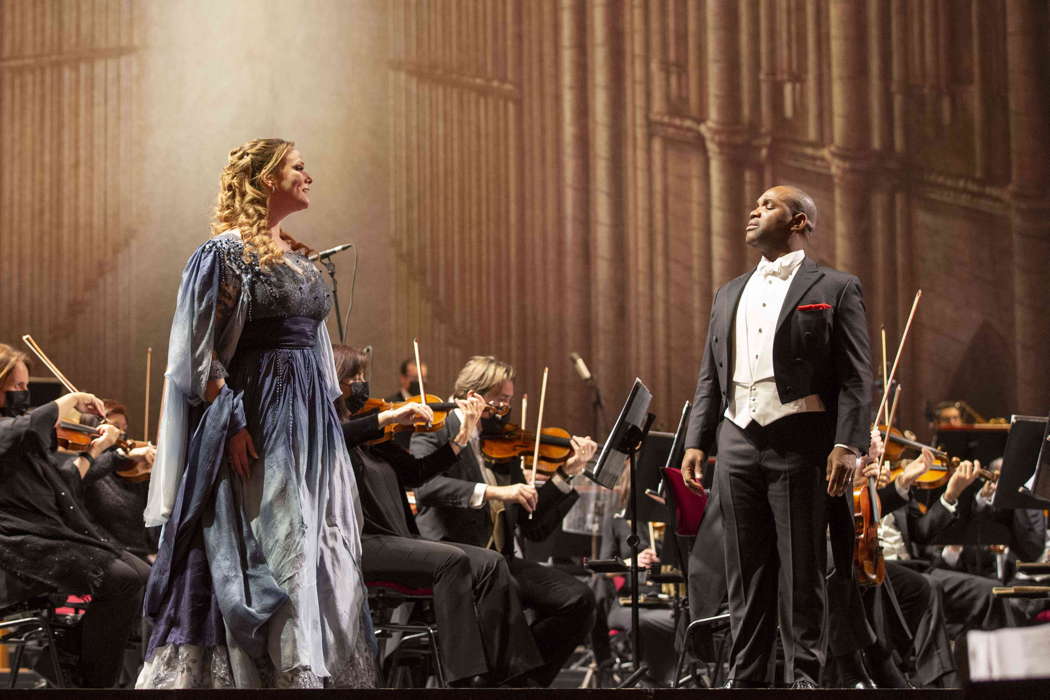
<point>242,201</point>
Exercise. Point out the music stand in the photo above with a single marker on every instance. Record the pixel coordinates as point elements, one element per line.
<point>625,440</point>
<point>1021,456</point>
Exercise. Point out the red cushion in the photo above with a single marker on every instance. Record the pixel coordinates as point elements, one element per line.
<point>688,506</point>
<point>400,588</point>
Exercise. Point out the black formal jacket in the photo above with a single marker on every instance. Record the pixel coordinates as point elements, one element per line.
<point>444,501</point>
<point>821,350</point>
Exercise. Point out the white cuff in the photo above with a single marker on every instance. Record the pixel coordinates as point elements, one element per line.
<point>852,449</point>
<point>477,499</point>
<point>950,506</point>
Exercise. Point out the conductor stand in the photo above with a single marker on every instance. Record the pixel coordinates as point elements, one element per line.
<point>632,443</point>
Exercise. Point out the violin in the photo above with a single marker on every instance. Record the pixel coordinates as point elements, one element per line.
<point>939,472</point>
<point>78,438</point>
<point>513,442</point>
<point>440,408</point>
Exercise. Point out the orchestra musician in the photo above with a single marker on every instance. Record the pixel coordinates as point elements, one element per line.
<point>47,541</point>
<point>485,639</point>
<point>783,392</point>
<point>490,505</point>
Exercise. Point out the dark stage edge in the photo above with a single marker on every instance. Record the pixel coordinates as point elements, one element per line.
<point>1021,690</point>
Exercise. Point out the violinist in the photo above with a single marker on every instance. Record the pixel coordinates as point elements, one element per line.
<point>408,377</point>
<point>116,502</point>
<point>485,638</point>
<point>489,505</point>
<point>47,542</point>
<point>963,601</point>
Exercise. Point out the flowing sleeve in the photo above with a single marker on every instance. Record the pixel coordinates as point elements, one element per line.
<point>209,316</point>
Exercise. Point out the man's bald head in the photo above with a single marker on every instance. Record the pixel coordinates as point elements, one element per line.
<point>800,203</point>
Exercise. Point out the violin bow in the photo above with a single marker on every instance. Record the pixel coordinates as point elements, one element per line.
<point>524,409</point>
<point>38,351</point>
<point>145,412</point>
<point>419,373</point>
<point>539,427</point>
<point>897,359</point>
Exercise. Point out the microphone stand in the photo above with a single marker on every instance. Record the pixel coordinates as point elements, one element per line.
<point>330,266</point>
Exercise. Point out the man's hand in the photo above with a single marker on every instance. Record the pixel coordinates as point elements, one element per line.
<point>916,468</point>
<point>693,469</point>
<point>647,558</point>
<point>583,450</point>
<point>472,407</point>
<point>964,475</point>
<point>988,490</point>
<point>240,451</point>
<point>841,463</point>
<point>522,494</point>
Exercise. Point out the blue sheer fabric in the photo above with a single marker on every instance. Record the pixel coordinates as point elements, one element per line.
<point>282,588</point>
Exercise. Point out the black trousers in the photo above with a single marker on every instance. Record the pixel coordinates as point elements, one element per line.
<point>921,604</point>
<point>116,604</point>
<point>772,491</point>
<point>564,609</point>
<point>969,603</point>
<point>480,621</point>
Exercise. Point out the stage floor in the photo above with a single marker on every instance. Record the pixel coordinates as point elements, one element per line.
<point>1026,690</point>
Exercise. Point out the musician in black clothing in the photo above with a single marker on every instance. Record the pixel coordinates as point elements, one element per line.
<point>46,541</point>
<point>485,638</point>
<point>488,505</point>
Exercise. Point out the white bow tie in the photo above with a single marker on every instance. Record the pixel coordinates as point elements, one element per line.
<point>778,268</point>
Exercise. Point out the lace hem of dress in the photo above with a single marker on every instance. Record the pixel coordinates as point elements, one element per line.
<point>192,666</point>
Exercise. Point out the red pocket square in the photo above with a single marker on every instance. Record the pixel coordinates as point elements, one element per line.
<point>807,307</point>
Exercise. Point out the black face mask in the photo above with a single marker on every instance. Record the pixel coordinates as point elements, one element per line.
<point>355,401</point>
<point>15,403</point>
<point>413,388</point>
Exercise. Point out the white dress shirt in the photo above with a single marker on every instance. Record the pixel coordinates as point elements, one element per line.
<point>753,390</point>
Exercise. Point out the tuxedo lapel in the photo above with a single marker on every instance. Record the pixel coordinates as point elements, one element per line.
<point>807,275</point>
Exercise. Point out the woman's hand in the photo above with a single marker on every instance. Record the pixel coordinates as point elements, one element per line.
<point>81,402</point>
<point>647,558</point>
<point>408,414</point>
<point>146,453</point>
<point>110,434</point>
<point>241,451</point>
<point>213,387</point>
<point>583,450</point>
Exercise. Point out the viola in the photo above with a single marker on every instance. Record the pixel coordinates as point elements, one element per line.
<point>513,442</point>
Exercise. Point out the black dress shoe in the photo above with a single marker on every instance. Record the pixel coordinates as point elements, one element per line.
<point>866,684</point>
<point>804,684</point>
<point>741,683</point>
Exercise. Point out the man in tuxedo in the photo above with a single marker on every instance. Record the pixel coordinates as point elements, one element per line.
<point>787,366</point>
<point>490,505</point>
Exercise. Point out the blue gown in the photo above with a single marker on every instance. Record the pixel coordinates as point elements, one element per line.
<point>257,582</point>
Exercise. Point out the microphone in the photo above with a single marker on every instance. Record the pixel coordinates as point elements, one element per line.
<point>330,252</point>
<point>581,367</point>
